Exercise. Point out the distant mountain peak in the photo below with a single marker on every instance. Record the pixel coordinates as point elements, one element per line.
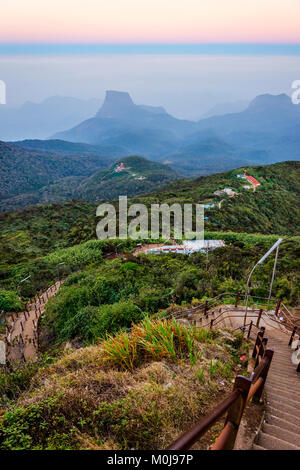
<point>115,102</point>
<point>268,101</point>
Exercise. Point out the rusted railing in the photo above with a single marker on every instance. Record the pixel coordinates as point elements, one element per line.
<point>209,304</point>
<point>244,390</point>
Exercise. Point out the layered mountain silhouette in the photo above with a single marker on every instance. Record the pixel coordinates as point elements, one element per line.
<point>266,131</point>
<point>40,120</point>
<point>119,115</point>
<point>119,105</point>
<point>270,123</point>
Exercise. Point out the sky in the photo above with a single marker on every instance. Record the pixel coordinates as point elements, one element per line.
<point>186,55</point>
<point>154,21</point>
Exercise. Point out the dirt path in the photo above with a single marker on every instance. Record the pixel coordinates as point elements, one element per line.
<point>22,331</point>
<point>21,335</point>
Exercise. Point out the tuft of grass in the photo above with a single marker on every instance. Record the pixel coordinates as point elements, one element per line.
<point>201,374</point>
<point>121,351</point>
<point>153,340</point>
<point>213,366</point>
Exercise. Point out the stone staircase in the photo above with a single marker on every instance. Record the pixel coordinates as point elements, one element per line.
<point>281,427</point>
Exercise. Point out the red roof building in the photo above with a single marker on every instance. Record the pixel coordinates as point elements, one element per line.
<point>252,180</point>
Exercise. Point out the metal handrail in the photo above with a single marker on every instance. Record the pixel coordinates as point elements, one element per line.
<point>244,390</point>
<point>185,441</point>
<point>209,302</point>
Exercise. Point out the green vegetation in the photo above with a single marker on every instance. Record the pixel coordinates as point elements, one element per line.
<point>135,379</point>
<point>61,262</point>
<point>63,177</point>
<point>272,208</point>
<point>136,390</point>
<point>10,301</point>
<point>139,176</point>
<point>108,295</point>
<point>23,172</point>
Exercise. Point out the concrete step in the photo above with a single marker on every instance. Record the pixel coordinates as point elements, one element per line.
<point>279,370</point>
<point>292,387</point>
<point>270,442</point>
<point>287,417</point>
<point>288,375</point>
<point>285,361</point>
<point>281,351</point>
<point>287,365</point>
<point>282,424</point>
<point>281,355</point>
<point>280,433</point>
<point>286,408</point>
<point>284,392</point>
<point>290,401</point>
<point>282,360</point>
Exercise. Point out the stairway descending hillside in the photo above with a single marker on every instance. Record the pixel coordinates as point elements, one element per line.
<point>281,427</point>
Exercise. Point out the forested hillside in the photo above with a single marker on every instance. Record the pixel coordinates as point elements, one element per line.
<point>101,380</point>
<point>273,208</point>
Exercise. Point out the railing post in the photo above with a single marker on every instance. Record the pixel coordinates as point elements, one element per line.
<point>236,410</point>
<point>292,335</point>
<point>259,337</point>
<point>206,308</point>
<point>259,317</point>
<point>262,347</point>
<point>249,330</point>
<point>277,307</point>
<point>211,323</point>
<point>237,298</point>
<point>269,354</point>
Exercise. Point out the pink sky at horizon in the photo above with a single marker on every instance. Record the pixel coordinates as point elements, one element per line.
<point>150,21</point>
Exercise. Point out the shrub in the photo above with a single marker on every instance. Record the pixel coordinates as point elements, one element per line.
<point>153,340</point>
<point>90,323</point>
<point>10,301</point>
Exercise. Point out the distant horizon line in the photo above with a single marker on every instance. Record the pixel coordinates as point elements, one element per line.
<point>150,48</point>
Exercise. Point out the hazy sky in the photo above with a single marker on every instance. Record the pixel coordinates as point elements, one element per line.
<point>186,55</point>
<point>150,21</point>
<point>187,85</point>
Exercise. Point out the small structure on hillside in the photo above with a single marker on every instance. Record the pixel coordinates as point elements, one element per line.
<point>227,191</point>
<point>252,180</point>
<point>120,167</point>
<point>188,247</point>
